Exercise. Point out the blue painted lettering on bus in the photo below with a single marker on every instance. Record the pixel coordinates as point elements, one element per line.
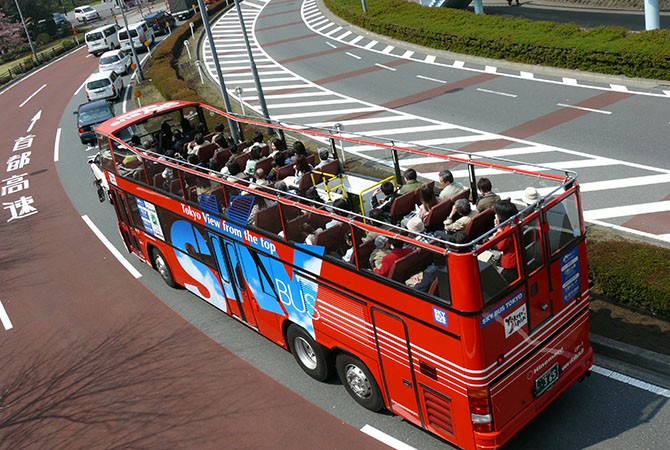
<point>508,304</point>
<point>304,305</point>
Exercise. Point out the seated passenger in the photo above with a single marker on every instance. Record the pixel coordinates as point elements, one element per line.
<point>198,142</point>
<point>397,252</point>
<point>487,197</point>
<point>388,189</point>
<point>382,248</point>
<point>428,200</point>
<point>324,158</point>
<point>465,214</point>
<point>277,146</point>
<point>254,157</point>
<point>449,186</point>
<point>309,233</point>
<point>504,210</point>
<point>439,264</point>
<point>410,182</point>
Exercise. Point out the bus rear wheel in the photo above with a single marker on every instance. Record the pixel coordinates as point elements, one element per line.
<point>163,268</point>
<point>312,357</point>
<point>359,382</point>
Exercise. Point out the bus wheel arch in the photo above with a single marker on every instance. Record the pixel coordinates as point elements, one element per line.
<point>359,382</point>
<point>313,358</point>
<point>161,265</point>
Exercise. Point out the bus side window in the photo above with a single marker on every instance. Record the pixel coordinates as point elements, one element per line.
<point>498,265</point>
<point>564,226</point>
<point>106,154</point>
<point>532,246</point>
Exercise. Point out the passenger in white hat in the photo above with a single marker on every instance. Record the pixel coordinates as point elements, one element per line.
<point>530,195</point>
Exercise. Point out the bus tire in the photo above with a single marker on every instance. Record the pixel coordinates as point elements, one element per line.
<point>313,358</point>
<point>162,267</point>
<point>359,382</point>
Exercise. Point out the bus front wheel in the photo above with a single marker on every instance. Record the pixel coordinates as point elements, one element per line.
<point>163,268</point>
<point>312,357</point>
<point>359,382</point>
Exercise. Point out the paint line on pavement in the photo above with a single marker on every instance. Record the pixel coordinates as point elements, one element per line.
<point>124,262</point>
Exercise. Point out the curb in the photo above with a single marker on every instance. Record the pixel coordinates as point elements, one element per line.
<point>640,357</point>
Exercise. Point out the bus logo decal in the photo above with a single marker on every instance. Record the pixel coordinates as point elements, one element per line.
<point>440,316</point>
<point>515,321</point>
<point>507,305</point>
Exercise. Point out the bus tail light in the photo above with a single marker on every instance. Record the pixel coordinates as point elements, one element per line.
<point>480,409</point>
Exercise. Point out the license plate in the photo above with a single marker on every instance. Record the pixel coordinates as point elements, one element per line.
<point>547,379</point>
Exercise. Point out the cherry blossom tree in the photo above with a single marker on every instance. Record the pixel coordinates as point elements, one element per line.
<point>11,34</point>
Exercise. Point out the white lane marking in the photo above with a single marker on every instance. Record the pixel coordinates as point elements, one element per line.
<point>352,55</point>
<point>124,262</point>
<point>667,93</point>
<point>330,33</point>
<point>32,95</point>
<point>430,59</point>
<point>81,86</point>
<point>388,49</point>
<point>370,45</point>
<point>339,38</point>
<point>632,381</point>
<point>619,183</point>
<point>5,318</point>
<point>661,237</point>
<point>504,94</point>
<point>570,81</point>
<point>385,67</point>
<point>57,145</point>
<point>600,111</point>
<point>459,64</point>
<point>630,210</point>
<point>431,79</point>
<point>619,87</point>
<point>385,438</point>
<point>526,75</point>
<point>356,39</point>
<point>490,69</point>
<point>408,54</point>
<point>331,45</point>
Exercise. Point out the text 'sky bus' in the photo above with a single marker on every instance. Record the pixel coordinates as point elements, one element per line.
<point>469,335</point>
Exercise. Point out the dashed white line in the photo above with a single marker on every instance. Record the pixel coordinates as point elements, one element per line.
<point>431,79</point>
<point>599,111</point>
<point>331,45</point>
<point>352,55</point>
<point>32,95</point>
<point>632,381</point>
<point>385,67</point>
<point>504,94</point>
<point>5,318</point>
<point>124,262</point>
<point>385,438</point>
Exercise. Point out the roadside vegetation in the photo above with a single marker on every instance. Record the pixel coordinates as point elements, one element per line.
<point>628,272</point>
<point>608,50</point>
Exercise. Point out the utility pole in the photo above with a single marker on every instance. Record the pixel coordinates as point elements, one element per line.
<point>30,41</point>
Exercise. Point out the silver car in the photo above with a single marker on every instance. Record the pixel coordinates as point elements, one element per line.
<point>118,61</point>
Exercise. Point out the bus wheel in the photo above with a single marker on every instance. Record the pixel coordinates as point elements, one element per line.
<point>311,356</point>
<point>359,382</point>
<point>162,267</point>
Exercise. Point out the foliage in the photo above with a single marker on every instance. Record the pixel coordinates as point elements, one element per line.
<point>611,50</point>
<point>632,273</point>
<point>11,33</point>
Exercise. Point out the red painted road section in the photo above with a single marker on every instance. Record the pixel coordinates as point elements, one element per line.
<point>95,360</point>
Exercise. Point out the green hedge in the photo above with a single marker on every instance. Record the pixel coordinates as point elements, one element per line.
<point>610,50</point>
<point>632,273</point>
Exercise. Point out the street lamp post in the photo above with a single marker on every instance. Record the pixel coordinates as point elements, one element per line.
<point>30,41</point>
<point>140,73</point>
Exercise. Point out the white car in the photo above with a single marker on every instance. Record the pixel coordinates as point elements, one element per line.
<point>102,85</point>
<point>85,13</point>
<point>118,61</point>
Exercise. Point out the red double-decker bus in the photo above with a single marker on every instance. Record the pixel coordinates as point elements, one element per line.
<point>468,331</point>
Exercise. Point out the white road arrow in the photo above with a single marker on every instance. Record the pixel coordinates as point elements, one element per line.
<point>35,118</point>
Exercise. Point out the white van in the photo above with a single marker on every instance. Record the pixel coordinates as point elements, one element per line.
<point>139,32</point>
<point>102,39</point>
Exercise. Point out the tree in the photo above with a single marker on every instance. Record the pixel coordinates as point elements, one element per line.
<point>11,34</point>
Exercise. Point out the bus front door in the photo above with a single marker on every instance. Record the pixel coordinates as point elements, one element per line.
<point>125,224</point>
<point>396,365</point>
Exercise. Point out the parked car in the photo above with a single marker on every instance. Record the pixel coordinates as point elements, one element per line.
<point>118,61</point>
<point>91,114</point>
<point>160,21</point>
<point>104,85</point>
<point>60,19</point>
<point>86,13</point>
<point>102,39</point>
